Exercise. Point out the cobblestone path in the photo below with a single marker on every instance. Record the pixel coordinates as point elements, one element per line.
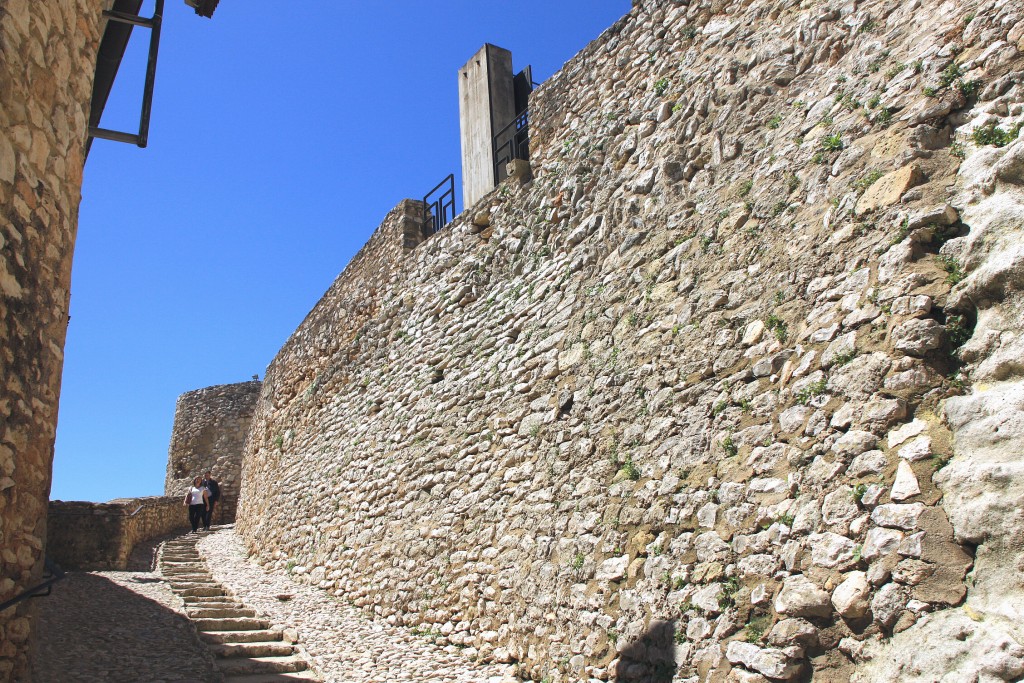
<point>116,627</point>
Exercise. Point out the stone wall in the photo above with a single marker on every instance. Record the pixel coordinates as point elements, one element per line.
<point>101,536</point>
<point>210,427</point>
<point>730,391</point>
<point>47,61</point>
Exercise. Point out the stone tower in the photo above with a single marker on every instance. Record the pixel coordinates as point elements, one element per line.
<point>210,426</point>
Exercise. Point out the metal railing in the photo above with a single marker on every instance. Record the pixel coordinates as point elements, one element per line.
<point>511,142</point>
<point>55,574</point>
<point>440,210</point>
<point>153,23</point>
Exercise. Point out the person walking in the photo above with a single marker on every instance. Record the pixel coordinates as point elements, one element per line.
<point>214,489</point>
<point>198,501</point>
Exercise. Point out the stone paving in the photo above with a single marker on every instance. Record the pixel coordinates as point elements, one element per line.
<point>345,645</point>
<point>116,627</point>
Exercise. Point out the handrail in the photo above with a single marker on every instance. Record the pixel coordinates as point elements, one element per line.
<point>511,142</point>
<point>56,574</point>
<point>437,213</point>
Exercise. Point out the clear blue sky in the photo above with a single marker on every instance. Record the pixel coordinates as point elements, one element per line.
<point>282,133</point>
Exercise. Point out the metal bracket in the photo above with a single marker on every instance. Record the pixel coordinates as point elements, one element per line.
<point>153,23</point>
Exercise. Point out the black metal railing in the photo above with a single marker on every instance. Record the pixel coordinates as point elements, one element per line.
<point>439,206</point>
<point>153,23</point>
<point>511,142</point>
<point>51,575</point>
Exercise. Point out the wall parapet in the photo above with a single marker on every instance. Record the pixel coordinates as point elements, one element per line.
<point>100,536</point>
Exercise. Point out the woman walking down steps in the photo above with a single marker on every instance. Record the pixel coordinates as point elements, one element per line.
<point>198,502</point>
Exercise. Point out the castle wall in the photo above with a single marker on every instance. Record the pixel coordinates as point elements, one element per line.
<point>706,396</point>
<point>210,427</point>
<point>101,536</point>
<point>47,61</point>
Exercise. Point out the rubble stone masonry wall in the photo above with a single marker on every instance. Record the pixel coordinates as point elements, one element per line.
<point>210,427</point>
<point>47,61</point>
<point>101,536</point>
<point>731,390</point>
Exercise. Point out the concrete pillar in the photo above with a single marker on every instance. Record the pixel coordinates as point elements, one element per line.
<point>486,105</point>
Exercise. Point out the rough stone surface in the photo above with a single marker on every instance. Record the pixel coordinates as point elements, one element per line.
<point>548,438</point>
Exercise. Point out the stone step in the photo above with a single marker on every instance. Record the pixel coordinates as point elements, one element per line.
<point>205,591</point>
<point>195,578</point>
<point>194,584</point>
<point>253,649</point>
<point>219,612</point>
<point>257,636</point>
<point>238,624</point>
<point>272,678</point>
<point>211,603</point>
<point>237,666</point>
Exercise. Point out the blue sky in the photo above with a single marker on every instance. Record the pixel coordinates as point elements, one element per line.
<point>279,140</point>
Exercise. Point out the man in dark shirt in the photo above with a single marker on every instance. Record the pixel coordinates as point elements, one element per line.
<point>214,488</point>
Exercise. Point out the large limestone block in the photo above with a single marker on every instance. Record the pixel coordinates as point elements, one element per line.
<point>800,597</point>
<point>768,661</point>
<point>888,189</point>
<point>850,598</point>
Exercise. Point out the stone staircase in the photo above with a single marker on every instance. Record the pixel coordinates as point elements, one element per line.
<point>244,647</point>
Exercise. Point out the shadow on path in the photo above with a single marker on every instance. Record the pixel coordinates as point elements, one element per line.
<point>101,627</point>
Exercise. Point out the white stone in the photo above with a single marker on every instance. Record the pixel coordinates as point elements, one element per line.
<point>918,449</point>
<point>831,550</point>
<point>880,542</point>
<point>707,598</point>
<point>888,602</point>
<point>792,419</point>
<point>839,508</point>
<point>905,486</point>
<point>612,569</point>
<point>853,443</point>
<point>771,662</point>
<point>850,598</point>
<point>898,516</point>
<point>869,462</point>
<point>917,337</point>
<point>906,431</point>
<point>752,333</point>
<point>707,516</point>
<point>911,545</point>
<point>800,597</point>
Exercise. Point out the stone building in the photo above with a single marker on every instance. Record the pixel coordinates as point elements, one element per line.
<point>210,427</point>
